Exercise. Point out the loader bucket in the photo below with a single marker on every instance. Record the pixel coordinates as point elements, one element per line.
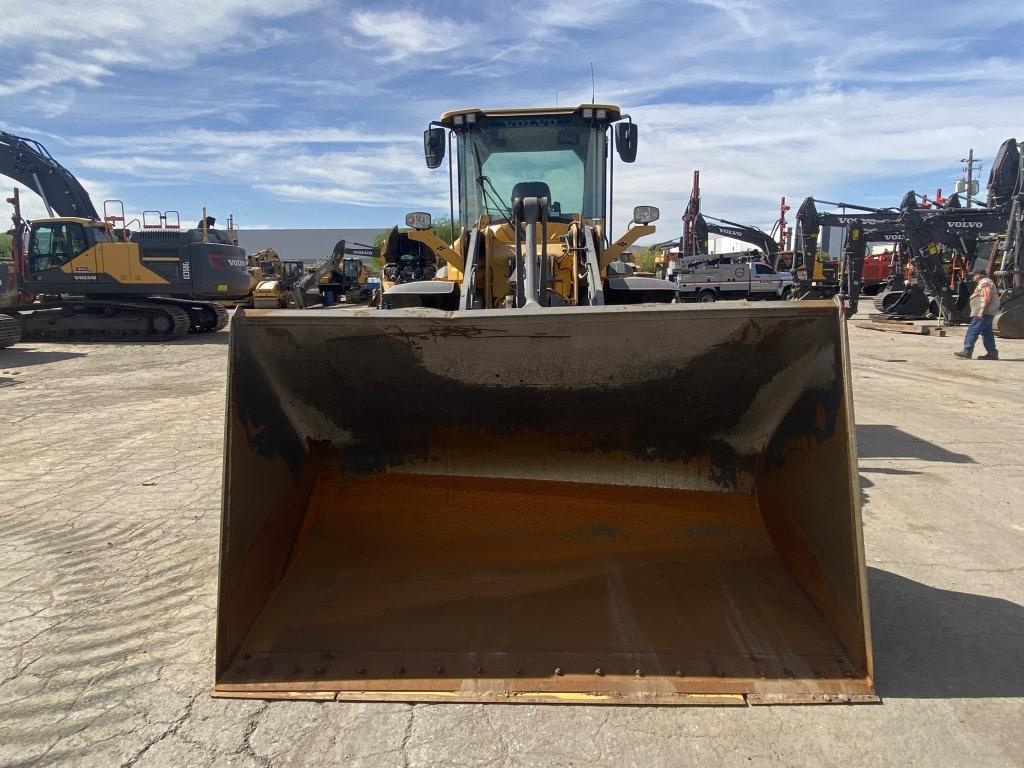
<point>627,504</point>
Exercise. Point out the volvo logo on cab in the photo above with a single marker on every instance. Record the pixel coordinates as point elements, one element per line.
<point>529,122</point>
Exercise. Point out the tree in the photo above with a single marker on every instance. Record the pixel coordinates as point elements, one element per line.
<point>644,256</point>
<point>5,245</point>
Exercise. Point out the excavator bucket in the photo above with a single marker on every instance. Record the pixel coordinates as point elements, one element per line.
<point>650,504</point>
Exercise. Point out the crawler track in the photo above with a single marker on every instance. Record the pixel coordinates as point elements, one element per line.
<point>10,330</point>
<point>204,316</point>
<point>106,321</point>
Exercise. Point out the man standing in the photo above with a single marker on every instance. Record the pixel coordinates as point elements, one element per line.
<point>984,307</point>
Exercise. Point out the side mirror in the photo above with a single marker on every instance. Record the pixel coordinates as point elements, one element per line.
<point>625,141</point>
<point>433,146</point>
<point>645,214</point>
<point>418,220</point>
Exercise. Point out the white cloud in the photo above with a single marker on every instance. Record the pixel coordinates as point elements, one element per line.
<point>404,34</point>
<point>201,140</point>
<point>48,69</point>
<point>741,12</point>
<point>819,142</point>
<point>570,14</point>
<point>765,98</point>
<point>144,34</point>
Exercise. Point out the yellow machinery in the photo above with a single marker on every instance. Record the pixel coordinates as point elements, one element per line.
<point>278,289</point>
<point>263,264</point>
<point>81,278</point>
<point>529,477</point>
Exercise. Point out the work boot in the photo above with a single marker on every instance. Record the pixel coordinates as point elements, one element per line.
<point>989,356</point>
<point>964,355</point>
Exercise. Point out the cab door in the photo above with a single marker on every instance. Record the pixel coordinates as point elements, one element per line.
<point>60,255</point>
<point>766,280</point>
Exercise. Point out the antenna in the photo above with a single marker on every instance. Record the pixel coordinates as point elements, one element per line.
<point>593,85</point>
<point>556,98</point>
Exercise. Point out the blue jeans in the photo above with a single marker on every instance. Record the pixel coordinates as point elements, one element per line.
<point>980,326</point>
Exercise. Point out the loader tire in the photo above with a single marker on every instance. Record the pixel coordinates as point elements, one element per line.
<point>1009,323</point>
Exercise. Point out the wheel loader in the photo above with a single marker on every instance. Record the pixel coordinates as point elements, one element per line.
<point>529,475</point>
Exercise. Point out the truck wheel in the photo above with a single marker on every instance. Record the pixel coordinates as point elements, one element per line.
<point>787,294</point>
<point>706,297</point>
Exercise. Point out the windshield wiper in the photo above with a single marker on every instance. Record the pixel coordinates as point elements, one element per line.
<point>493,198</point>
<point>488,199</point>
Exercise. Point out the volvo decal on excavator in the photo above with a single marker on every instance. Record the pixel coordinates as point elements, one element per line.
<point>529,476</point>
<point>84,277</point>
<point>944,247</point>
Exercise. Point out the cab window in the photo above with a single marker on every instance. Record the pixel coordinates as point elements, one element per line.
<point>55,244</point>
<point>763,269</point>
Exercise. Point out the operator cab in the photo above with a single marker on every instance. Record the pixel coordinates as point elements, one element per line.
<point>555,153</point>
<point>351,267</point>
<point>292,270</point>
<point>54,242</point>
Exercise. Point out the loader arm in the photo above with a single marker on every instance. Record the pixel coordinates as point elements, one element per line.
<point>440,248</point>
<point>616,249</point>
<point>28,162</point>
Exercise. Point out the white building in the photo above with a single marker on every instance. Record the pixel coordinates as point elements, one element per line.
<point>304,244</point>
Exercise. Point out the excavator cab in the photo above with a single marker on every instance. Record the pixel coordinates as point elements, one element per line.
<point>541,495</point>
<point>292,270</point>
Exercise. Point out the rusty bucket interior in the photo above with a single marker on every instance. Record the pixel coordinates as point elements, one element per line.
<point>645,504</point>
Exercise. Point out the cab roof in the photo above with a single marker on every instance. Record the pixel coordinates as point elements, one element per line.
<point>612,112</point>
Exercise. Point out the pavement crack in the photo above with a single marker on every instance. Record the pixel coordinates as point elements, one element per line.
<point>247,748</point>
<point>169,731</point>
<point>407,735</point>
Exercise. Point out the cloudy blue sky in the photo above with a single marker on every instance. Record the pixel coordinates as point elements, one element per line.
<point>309,114</point>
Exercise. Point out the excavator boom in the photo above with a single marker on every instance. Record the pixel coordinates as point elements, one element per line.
<point>28,162</point>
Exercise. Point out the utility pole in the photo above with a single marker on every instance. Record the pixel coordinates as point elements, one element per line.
<point>784,234</point>
<point>970,162</point>
<point>688,242</point>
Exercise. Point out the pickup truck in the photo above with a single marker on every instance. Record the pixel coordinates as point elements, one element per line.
<point>732,280</point>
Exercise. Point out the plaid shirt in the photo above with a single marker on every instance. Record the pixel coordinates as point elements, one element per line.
<point>985,299</point>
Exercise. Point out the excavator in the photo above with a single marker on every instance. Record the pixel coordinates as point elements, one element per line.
<point>83,277</point>
<point>945,244</point>
<point>350,277</point>
<point>822,279</point>
<point>296,287</point>
<point>526,475</point>
<point>959,232</point>
<point>697,226</point>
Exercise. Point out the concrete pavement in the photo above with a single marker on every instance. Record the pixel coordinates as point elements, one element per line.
<point>109,514</point>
